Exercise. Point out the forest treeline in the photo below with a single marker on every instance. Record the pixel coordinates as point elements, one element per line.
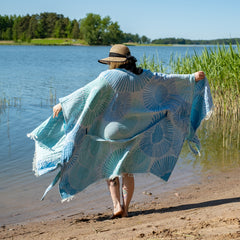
<point>93,29</point>
<point>226,41</point>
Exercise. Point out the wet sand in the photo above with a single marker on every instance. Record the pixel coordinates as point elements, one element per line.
<point>209,209</point>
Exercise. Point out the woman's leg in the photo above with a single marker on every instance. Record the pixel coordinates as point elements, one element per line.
<point>114,188</point>
<point>127,191</point>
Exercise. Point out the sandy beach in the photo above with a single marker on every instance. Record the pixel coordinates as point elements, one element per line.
<point>207,210</point>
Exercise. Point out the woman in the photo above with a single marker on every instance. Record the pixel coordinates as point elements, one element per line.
<point>120,58</point>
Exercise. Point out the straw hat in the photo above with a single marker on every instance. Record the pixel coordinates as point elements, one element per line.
<point>118,53</point>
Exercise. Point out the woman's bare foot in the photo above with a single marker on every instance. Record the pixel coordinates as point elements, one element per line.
<point>125,213</point>
<point>117,212</point>
<point>117,209</point>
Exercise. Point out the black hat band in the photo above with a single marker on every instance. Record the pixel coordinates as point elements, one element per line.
<point>112,54</point>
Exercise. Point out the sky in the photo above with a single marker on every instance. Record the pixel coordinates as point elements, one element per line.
<point>189,19</point>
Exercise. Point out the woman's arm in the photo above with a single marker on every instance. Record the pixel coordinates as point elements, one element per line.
<point>197,76</point>
<point>58,108</point>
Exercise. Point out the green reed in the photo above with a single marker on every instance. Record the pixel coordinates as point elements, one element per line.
<point>222,68</point>
<point>6,102</point>
<point>220,141</point>
<point>153,64</point>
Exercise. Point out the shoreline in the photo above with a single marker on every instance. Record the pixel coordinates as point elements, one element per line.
<point>209,209</point>
<point>71,42</point>
<point>45,42</point>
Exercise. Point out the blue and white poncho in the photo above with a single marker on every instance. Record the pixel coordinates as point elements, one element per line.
<point>121,123</point>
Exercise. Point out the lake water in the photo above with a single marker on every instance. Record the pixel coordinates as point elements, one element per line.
<point>32,78</point>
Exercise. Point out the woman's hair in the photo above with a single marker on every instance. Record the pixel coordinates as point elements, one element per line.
<point>114,65</point>
<point>129,65</point>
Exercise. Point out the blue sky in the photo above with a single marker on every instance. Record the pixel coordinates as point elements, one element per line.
<point>206,19</point>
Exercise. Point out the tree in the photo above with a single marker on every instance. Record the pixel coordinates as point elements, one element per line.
<point>47,24</point>
<point>75,30</point>
<point>68,30</point>
<point>16,33</point>
<point>128,37</point>
<point>20,28</point>
<point>42,25</point>
<point>59,30</point>
<point>112,34</point>
<point>6,25</point>
<point>145,40</point>
<point>33,27</point>
<point>91,29</point>
<point>97,31</point>
<point>7,35</point>
<point>53,19</point>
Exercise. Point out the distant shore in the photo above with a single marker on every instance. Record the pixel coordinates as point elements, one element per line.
<point>72,42</point>
<point>65,42</point>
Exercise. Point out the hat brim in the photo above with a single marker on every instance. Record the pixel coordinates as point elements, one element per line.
<point>112,59</point>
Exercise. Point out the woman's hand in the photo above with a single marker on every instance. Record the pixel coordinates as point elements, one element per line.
<point>199,76</point>
<point>56,110</point>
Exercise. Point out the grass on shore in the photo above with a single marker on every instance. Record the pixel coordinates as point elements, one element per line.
<point>59,41</point>
<point>47,41</point>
